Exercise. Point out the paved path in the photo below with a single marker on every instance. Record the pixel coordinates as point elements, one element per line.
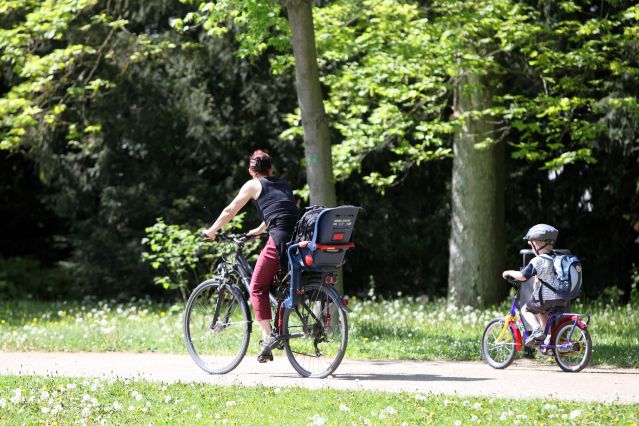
<point>523,379</point>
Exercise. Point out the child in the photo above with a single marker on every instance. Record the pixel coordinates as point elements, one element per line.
<point>541,238</point>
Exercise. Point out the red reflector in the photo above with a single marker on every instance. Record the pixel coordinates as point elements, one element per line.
<point>299,292</point>
<point>338,237</point>
<point>345,302</point>
<point>308,260</point>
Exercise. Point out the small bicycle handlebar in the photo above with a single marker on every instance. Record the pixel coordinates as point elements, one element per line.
<point>513,281</point>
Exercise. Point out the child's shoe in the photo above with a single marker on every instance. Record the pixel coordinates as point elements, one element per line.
<point>537,335</point>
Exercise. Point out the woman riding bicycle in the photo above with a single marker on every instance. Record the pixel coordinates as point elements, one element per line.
<point>276,206</point>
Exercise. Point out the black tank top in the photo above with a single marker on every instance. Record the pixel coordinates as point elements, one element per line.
<point>276,205</point>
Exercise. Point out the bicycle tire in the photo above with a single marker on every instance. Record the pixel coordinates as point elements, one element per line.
<point>217,348</point>
<point>576,358</point>
<point>498,354</point>
<point>317,330</point>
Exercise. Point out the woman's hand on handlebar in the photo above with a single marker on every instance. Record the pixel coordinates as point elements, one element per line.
<point>208,234</point>
<point>254,233</point>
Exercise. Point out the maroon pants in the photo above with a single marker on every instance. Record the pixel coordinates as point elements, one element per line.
<point>265,270</point>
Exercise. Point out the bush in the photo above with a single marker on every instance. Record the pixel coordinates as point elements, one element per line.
<point>25,277</point>
<point>183,257</point>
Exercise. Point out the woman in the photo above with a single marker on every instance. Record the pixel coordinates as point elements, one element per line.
<point>276,205</point>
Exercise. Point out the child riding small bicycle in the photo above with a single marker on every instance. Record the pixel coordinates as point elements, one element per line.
<point>541,238</point>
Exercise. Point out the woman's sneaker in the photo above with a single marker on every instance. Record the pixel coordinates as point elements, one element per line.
<point>265,349</point>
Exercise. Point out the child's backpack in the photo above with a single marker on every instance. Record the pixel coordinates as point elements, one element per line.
<point>567,268</point>
<point>305,225</point>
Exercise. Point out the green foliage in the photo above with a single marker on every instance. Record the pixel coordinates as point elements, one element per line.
<point>29,400</point>
<point>156,131</point>
<point>257,24</point>
<point>405,328</point>
<point>23,277</point>
<point>182,257</point>
<point>126,120</point>
<point>44,45</point>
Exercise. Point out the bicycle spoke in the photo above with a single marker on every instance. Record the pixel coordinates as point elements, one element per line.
<point>323,330</point>
<point>216,344</point>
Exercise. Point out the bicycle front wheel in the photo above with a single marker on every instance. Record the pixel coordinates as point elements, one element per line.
<point>576,355</point>
<point>316,332</point>
<point>217,326</point>
<point>497,345</point>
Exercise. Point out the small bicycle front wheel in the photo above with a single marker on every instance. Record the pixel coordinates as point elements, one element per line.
<point>217,325</point>
<point>576,355</point>
<point>497,345</point>
<point>316,332</point>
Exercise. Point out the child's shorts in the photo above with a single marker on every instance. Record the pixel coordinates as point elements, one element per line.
<point>536,307</point>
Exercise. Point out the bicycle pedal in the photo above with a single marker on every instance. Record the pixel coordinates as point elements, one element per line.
<point>264,358</point>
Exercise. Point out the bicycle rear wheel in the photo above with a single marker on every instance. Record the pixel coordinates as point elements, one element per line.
<point>316,331</point>
<point>576,357</point>
<point>217,325</point>
<point>498,353</point>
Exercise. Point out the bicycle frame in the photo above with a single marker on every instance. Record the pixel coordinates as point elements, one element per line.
<point>244,270</point>
<point>514,321</point>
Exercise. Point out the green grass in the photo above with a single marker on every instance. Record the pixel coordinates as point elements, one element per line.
<point>45,400</point>
<point>404,328</point>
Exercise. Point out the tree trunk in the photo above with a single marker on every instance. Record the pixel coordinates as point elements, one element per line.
<point>317,145</point>
<point>477,221</point>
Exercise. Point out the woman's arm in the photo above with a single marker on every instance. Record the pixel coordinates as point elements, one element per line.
<point>248,191</point>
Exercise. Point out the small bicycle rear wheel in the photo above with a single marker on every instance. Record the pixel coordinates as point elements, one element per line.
<point>317,332</point>
<point>577,356</point>
<point>498,352</point>
<point>217,326</point>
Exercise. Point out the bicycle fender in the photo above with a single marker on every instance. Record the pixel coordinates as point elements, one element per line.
<point>238,292</point>
<point>340,300</point>
<point>215,280</point>
<point>517,334</point>
<point>571,319</point>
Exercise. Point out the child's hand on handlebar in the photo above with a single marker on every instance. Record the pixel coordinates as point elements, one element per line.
<point>513,276</point>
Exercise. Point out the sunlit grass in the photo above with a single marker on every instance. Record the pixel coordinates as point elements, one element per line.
<point>45,400</point>
<point>403,328</point>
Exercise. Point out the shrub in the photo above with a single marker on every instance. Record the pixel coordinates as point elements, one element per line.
<point>182,256</point>
<point>25,277</point>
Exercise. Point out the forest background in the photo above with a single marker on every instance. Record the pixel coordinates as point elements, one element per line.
<point>120,118</point>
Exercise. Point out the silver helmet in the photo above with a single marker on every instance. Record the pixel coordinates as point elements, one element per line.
<point>542,232</point>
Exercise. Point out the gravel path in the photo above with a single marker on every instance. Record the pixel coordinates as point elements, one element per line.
<point>524,379</point>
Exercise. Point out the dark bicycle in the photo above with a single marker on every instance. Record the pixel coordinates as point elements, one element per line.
<point>310,316</point>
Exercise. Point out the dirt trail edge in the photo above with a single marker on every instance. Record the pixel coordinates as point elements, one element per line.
<point>524,379</point>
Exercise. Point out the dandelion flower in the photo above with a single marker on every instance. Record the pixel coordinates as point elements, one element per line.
<point>574,414</point>
<point>389,410</point>
<point>344,408</point>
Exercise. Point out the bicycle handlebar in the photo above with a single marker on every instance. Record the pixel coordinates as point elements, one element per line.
<point>234,238</point>
<point>513,281</point>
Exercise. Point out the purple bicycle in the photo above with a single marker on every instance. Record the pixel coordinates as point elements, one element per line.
<point>569,342</point>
